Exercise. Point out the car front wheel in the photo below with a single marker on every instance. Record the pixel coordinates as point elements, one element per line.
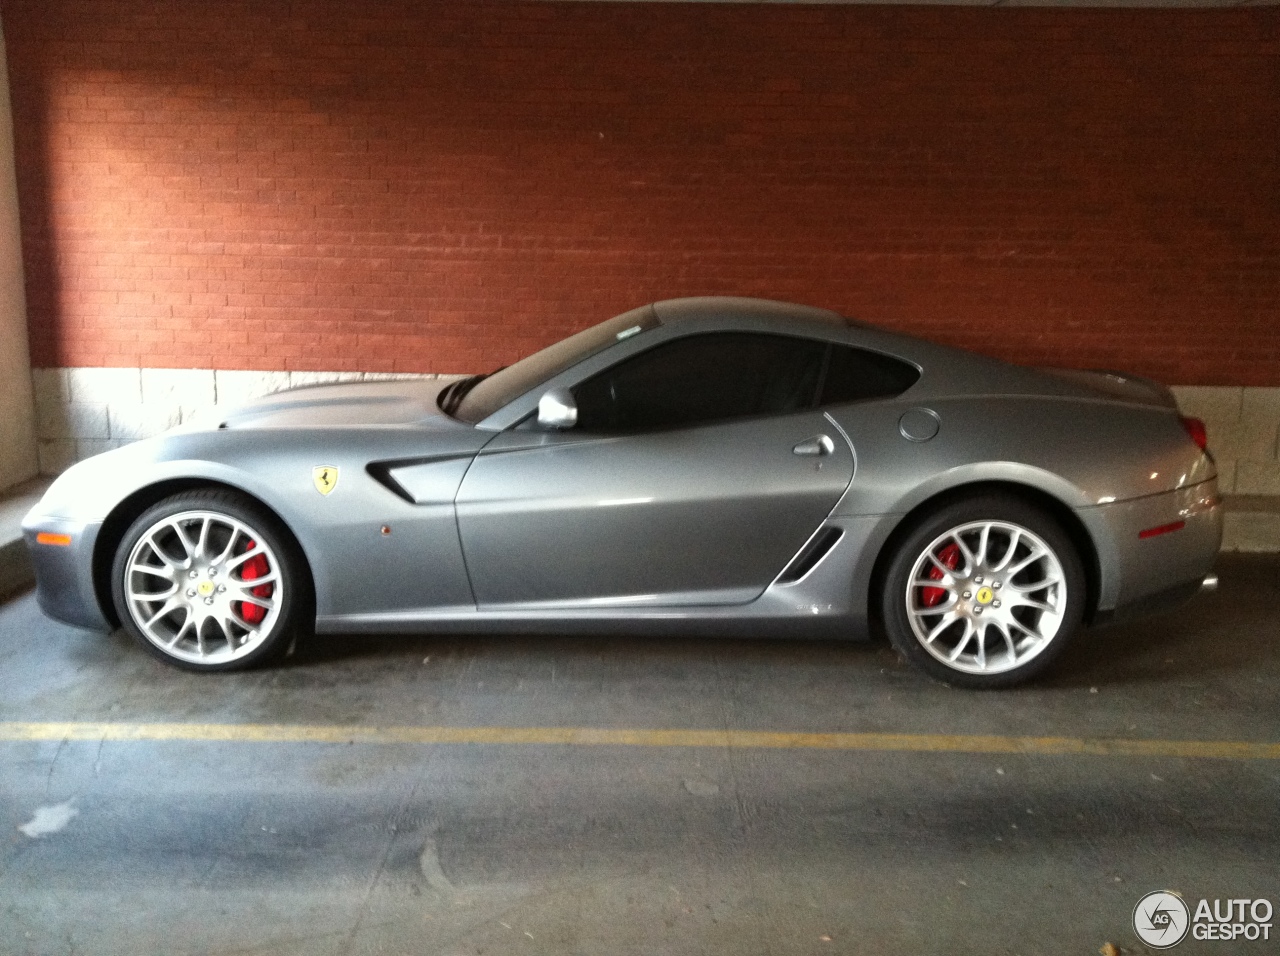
<point>984,593</point>
<point>208,581</point>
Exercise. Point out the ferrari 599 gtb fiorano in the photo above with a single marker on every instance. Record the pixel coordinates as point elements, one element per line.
<point>731,466</point>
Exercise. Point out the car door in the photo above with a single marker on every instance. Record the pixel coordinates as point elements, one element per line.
<point>697,470</point>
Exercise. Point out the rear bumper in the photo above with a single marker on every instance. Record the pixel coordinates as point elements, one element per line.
<point>1142,574</point>
<point>64,572</point>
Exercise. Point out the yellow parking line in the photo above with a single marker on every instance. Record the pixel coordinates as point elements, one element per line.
<point>597,736</point>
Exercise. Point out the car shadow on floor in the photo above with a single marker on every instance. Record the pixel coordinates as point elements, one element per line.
<point>1215,633</point>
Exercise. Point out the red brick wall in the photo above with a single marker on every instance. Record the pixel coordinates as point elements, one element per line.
<point>443,186</point>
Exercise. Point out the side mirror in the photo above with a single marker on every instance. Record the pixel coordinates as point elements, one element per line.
<point>557,409</point>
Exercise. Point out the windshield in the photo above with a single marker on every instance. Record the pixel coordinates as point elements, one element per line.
<point>494,391</point>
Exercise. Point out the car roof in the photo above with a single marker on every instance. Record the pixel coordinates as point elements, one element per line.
<point>711,307</point>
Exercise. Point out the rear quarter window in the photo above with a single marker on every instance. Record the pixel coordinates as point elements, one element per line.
<point>856,375</point>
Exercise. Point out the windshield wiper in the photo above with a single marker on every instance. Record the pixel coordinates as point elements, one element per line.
<point>451,395</point>
<point>454,392</point>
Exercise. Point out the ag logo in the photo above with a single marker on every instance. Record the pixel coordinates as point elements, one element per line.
<point>325,478</point>
<point>1161,919</point>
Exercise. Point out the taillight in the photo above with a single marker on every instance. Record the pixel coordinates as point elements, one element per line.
<point>1195,428</point>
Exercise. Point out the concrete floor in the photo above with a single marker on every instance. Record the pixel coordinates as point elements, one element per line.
<point>231,846</point>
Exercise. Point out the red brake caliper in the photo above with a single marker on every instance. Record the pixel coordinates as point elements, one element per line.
<point>252,569</point>
<point>950,556</point>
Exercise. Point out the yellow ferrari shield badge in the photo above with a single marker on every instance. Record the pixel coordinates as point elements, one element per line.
<point>325,478</point>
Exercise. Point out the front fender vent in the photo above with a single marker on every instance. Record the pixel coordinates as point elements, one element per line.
<point>810,555</point>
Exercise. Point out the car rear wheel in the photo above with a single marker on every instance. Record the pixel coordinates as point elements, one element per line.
<point>208,581</point>
<point>984,593</point>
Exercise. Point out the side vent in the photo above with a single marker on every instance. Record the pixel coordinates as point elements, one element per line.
<point>381,473</point>
<point>810,555</point>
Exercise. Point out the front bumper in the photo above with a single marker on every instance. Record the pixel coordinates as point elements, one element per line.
<point>1141,572</point>
<point>64,572</point>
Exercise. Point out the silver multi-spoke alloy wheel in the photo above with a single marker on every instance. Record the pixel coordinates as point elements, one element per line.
<point>204,587</point>
<point>986,597</point>
<point>984,591</point>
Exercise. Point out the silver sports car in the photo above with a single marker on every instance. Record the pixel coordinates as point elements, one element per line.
<point>700,465</point>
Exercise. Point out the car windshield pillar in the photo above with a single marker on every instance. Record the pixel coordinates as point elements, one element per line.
<point>502,387</point>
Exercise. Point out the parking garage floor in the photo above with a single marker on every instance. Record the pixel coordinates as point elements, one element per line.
<point>590,795</point>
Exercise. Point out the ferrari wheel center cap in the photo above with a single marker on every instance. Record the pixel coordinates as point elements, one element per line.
<point>985,595</point>
<point>205,588</point>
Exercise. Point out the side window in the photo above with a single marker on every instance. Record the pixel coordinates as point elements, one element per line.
<point>703,378</point>
<point>854,375</point>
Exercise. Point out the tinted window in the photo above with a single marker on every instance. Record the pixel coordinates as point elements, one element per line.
<point>703,378</point>
<point>855,376</point>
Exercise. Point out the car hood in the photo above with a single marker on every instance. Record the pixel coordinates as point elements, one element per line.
<point>348,425</point>
<point>362,404</point>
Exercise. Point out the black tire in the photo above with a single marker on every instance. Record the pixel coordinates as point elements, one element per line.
<point>1002,642</point>
<point>196,553</point>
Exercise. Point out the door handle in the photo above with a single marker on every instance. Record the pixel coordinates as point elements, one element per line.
<point>818,445</point>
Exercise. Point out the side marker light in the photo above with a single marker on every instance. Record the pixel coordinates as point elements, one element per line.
<point>48,537</point>
<point>1162,529</point>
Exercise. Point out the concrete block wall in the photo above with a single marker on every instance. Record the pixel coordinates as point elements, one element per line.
<point>1244,434</point>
